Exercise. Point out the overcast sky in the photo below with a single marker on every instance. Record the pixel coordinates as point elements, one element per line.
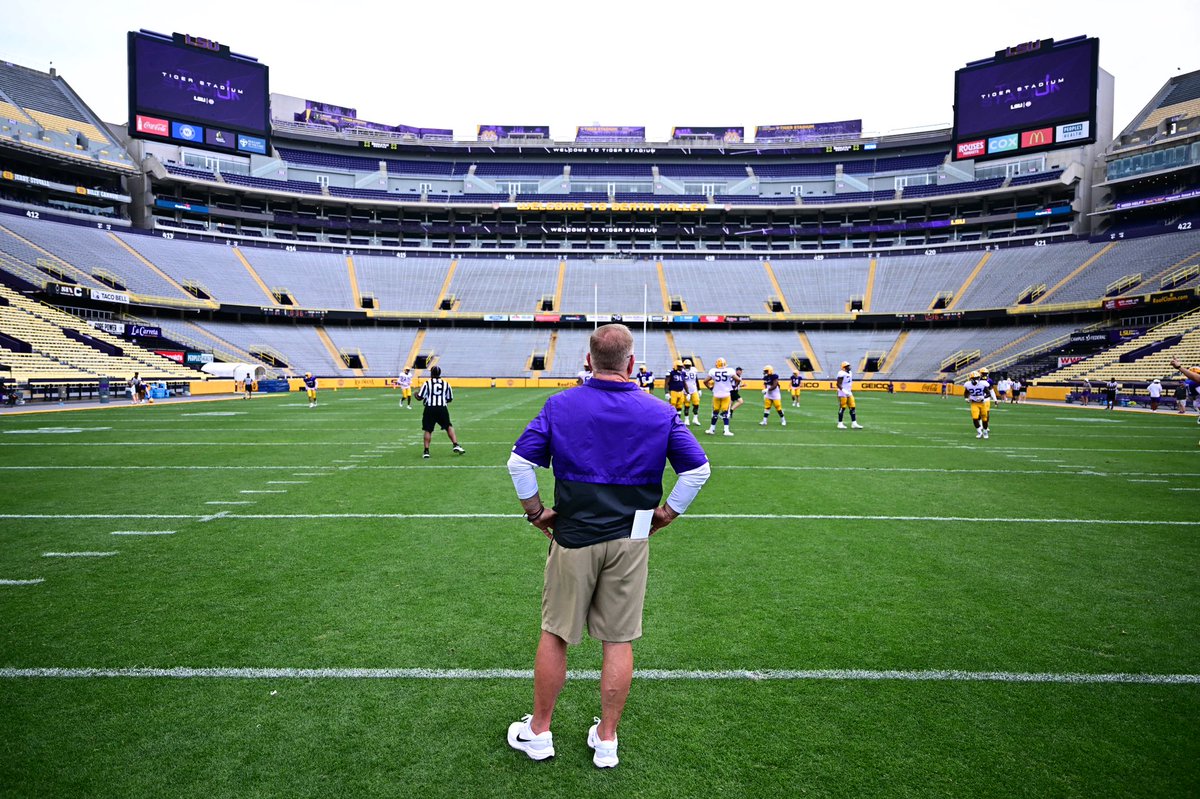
<point>648,63</point>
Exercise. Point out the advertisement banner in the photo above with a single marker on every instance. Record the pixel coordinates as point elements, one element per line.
<point>1123,302</point>
<point>198,358</point>
<point>143,331</point>
<point>174,355</point>
<point>546,317</point>
<point>520,317</point>
<point>970,149</point>
<point>1037,138</point>
<point>1002,144</point>
<point>1166,297</point>
<point>1067,360</point>
<point>223,139</point>
<point>1073,131</point>
<point>109,296</point>
<point>499,132</point>
<point>609,133</point>
<point>572,317</point>
<point>176,205</point>
<point>495,317</point>
<point>252,144</point>
<point>65,289</point>
<point>186,132</point>
<point>808,131</point>
<point>727,135</point>
<point>152,126</point>
<point>115,328</point>
<point>685,318</point>
<point>712,319</point>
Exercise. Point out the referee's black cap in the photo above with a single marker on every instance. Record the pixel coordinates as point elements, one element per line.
<point>435,371</point>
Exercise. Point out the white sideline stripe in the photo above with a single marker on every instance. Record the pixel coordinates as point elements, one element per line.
<point>692,516</point>
<point>305,482</point>
<point>263,491</point>
<point>230,502</point>
<point>457,466</point>
<point>77,554</point>
<point>1185,489</point>
<point>1132,480</point>
<point>144,532</point>
<point>747,675</point>
<point>23,582</point>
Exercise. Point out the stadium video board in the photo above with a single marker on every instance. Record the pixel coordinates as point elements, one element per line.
<point>1026,99</point>
<point>192,91</point>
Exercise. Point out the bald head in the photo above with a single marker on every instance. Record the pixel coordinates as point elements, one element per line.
<point>611,348</point>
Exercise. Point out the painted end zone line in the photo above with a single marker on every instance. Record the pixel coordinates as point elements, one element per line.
<point>765,675</point>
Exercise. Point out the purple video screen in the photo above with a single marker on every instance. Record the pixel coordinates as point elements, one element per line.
<point>188,83</point>
<point>1014,94</point>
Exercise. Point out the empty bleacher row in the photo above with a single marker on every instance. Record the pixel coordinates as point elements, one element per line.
<point>504,353</point>
<point>150,266</point>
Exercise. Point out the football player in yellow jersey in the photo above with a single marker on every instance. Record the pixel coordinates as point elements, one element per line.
<point>676,390</point>
<point>310,386</point>
<point>721,381</point>
<point>978,392</point>
<point>796,381</point>
<point>771,396</point>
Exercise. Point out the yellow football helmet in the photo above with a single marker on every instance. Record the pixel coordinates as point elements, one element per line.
<point>308,374</point>
<point>845,364</point>
<point>678,364</point>
<point>984,372</point>
<point>768,370</point>
<point>974,375</point>
<point>720,362</point>
<point>687,361</point>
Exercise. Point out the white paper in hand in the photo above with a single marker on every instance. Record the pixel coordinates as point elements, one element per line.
<point>641,524</point>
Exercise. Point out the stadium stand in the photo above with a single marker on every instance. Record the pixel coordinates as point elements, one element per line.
<point>908,283</point>
<point>313,280</point>
<point>43,113</point>
<point>1143,358</point>
<point>402,284</point>
<point>707,287</point>
<point>821,287</point>
<point>53,354</point>
<point>617,286</point>
<point>487,285</point>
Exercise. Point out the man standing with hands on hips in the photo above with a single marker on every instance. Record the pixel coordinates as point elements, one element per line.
<point>608,443</point>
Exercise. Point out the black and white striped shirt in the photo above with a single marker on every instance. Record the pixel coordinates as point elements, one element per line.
<point>435,393</point>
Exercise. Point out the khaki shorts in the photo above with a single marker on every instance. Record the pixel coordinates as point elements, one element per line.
<point>602,585</point>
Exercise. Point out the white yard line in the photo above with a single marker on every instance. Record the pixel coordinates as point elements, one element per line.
<point>78,554</point>
<point>263,491</point>
<point>23,582</point>
<point>143,532</point>
<point>741,675</point>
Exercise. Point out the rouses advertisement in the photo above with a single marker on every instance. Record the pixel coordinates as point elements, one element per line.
<point>190,84</point>
<point>1022,93</point>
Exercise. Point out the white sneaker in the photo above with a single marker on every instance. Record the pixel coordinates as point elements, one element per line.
<point>985,433</point>
<point>605,751</point>
<point>538,747</point>
<point>979,432</point>
<point>763,423</point>
<point>727,433</point>
<point>710,432</point>
<point>856,426</point>
<point>841,426</point>
<point>696,421</point>
<point>783,422</point>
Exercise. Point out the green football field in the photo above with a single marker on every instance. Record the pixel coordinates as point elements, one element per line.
<point>258,599</point>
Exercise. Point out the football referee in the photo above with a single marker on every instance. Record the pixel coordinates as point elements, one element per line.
<point>437,395</point>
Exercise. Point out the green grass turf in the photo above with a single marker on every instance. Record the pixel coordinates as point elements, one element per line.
<point>724,594</point>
